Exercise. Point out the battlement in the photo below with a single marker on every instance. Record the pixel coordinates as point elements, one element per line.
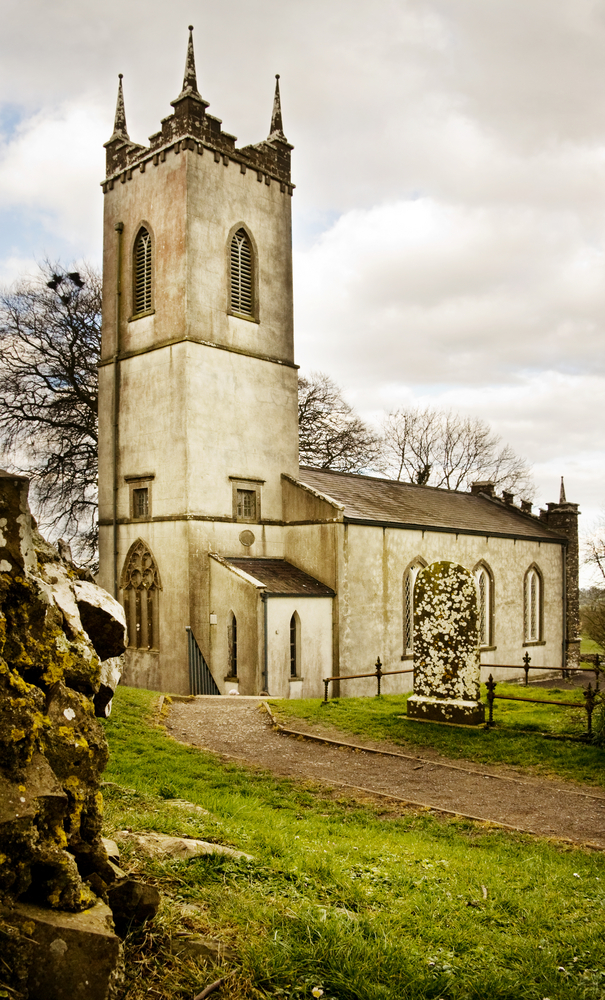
<point>190,127</point>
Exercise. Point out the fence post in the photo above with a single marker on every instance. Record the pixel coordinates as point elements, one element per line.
<point>491,688</point>
<point>597,670</point>
<point>378,674</point>
<point>326,682</point>
<point>526,663</point>
<point>589,694</point>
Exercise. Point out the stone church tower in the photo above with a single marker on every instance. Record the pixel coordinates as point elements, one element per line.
<point>198,386</point>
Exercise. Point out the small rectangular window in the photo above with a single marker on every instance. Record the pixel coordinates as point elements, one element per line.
<point>246,504</point>
<point>140,502</point>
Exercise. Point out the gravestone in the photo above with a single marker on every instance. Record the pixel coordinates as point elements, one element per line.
<point>446,647</point>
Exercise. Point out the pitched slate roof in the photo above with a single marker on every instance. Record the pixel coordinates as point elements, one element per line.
<point>280,577</point>
<point>384,501</point>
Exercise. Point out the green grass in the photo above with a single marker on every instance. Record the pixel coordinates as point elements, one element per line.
<point>359,899</point>
<point>590,646</point>
<point>516,738</point>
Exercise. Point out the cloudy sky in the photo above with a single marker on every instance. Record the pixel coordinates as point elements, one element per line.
<point>449,217</point>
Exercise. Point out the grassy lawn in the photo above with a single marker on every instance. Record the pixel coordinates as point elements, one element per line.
<point>589,646</point>
<point>360,900</point>
<point>516,738</point>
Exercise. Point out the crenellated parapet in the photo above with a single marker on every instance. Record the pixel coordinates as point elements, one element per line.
<point>191,128</point>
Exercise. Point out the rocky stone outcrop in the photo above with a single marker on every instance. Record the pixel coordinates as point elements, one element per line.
<point>55,630</point>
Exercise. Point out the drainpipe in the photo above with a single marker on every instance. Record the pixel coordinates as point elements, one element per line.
<point>265,644</point>
<point>119,228</point>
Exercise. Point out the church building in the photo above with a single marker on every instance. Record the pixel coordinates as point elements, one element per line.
<point>238,569</point>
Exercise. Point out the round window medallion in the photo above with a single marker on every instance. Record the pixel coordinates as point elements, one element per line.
<point>246,538</point>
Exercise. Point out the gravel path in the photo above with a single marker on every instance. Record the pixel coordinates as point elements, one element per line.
<point>240,728</point>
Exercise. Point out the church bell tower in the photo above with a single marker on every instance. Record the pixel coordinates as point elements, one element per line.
<point>198,385</point>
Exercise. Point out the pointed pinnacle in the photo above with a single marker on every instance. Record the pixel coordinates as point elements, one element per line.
<point>277,126</point>
<point>190,79</point>
<point>119,125</point>
<point>562,498</point>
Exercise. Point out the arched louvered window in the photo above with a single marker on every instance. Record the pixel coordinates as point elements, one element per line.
<point>485,603</point>
<point>141,586</point>
<point>242,274</point>
<point>409,581</point>
<point>142,271</point>
<point>532,605</point>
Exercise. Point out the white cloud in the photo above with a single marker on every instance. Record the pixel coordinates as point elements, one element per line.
<point>451,294</point>
<point>450,171</point>
<point>50,169</point>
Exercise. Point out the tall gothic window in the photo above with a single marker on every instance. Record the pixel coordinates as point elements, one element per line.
<point>295,645</point>
<point>141,586</point>
<point>532,605</point>
<point>142,271</point>
<point>232,640</point>
<point>409,582</point>
<point>242,274</point>
<point>485,603</point>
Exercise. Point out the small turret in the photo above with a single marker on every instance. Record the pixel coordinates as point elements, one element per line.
<point>119,143</point>
<point>277,126</point>
<point>190,91</point>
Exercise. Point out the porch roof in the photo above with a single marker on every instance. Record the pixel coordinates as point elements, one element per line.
<point>279,577</point>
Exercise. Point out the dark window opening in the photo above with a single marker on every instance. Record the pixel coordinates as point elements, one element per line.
<point>294,665</point>
<point>246,504</point>
<point>232,635</point>
<point>140,502</point>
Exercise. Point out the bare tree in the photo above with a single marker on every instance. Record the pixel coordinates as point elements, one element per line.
<point>50,340</point>
<point>592,616</point>
<point>595,548</point>
<point>441,448</point>
<point>331,435</point>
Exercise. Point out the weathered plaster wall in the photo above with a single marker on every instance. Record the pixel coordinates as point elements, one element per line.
<point>315,615</point>
<point>230,592</point>
<point>371,597</point>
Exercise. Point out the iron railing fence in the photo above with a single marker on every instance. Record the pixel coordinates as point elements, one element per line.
<point>590,702</point>
<point>201,680</point>
<point>378,673</point>
<point>594,658</point>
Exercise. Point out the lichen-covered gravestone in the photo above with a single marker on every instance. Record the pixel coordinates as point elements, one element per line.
<point>57,939</point>
<point>446,647</point>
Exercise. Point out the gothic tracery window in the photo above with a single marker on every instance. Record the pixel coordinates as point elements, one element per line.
<point>409,581</point>
<point>142,271</point>
<point>242,274</point>
<point>485,603</point>
<point>141,586</point>
<point>532,605</point>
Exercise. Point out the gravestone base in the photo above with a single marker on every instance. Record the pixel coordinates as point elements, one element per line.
<point>455,710</point>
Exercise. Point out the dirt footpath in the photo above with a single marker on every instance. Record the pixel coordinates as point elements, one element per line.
<point>240,728</point>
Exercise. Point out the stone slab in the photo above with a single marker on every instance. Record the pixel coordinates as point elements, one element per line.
<point>56,955</point>
<point>456,711</point>
<point>154,844</point>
